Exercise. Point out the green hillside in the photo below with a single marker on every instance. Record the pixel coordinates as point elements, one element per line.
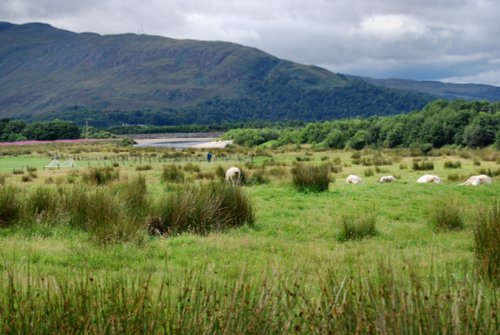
<point>47,72</point>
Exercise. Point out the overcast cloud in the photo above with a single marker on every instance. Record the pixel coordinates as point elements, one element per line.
<point>449,40</point>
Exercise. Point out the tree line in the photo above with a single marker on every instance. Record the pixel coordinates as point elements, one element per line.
<point>17,130</point>
<point>472,124</point>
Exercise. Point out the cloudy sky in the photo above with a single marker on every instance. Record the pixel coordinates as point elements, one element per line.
<point>449,40</point>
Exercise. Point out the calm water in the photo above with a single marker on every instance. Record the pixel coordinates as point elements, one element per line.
<point>176,145</point>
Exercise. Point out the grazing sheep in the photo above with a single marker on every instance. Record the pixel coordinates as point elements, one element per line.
<point>352,179</point>
<point>233,175</point>
<point>387,179</point>
<point>428,178</point>
<point>477,180</point>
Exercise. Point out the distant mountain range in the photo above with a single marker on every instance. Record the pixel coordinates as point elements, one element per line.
<point>443,90</point>
<point>46,73</point>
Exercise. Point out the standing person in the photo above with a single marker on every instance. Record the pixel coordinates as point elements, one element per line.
<point>209,157</point>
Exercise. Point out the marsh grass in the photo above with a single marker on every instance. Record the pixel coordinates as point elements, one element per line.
<point>101,175</point>
<point>310,178</point>
<point>42,204</point>
<point>202,209</point>
<point>10,206</point>
<point>172,173</point>
<point>384,301</point>
<point>452,165</point>
<point>486,242</point>
<point>423,166</point>
<point>108,220</point>
<point>357,226</point>
<point>446,214</point>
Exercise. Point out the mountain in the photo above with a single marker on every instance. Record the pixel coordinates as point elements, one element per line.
<point>48,73</point>
<point>447,91</point>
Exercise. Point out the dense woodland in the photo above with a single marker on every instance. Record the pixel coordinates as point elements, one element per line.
<point>472,124</point>
<point>16,130</point>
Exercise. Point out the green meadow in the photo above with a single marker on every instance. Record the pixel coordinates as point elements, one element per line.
<point>286,271</point>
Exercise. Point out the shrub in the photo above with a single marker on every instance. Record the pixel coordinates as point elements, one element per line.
<point>172,173</point>
<point>446,214</point>
<point>452,165</point>
<point>423,166</point>
<point>310,178</point>
<point>10,206</point>
<point>202,209</point>
<point>486,243</point>
<point>357,226</point>
<point>100,176</point>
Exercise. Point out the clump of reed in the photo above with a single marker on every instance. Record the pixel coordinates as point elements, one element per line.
<point>486,242</point>
<point>423,166</point>
<point>101,175</point>
<point>357,226</point>
<point>172,173</point>
<point>201,209</point>
<point>368,172</point>
<point>310,178</point>
<point>452,165</point>
<point>10,206</point>
<point>446,214</point>
<point>382,301</point>
<point>145,167</point>
<point>258,177</point>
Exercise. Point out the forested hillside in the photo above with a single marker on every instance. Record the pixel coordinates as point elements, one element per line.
<point>48,73</point>
<point>472,124</point>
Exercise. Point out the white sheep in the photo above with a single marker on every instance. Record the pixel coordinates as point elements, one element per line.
<point>428,178</point>
<point>233,175</point>
<point>353,179</point>
<point>477,180</point>
<point>387,179</point>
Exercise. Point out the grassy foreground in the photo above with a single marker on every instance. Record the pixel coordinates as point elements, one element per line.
<point>289,272</point>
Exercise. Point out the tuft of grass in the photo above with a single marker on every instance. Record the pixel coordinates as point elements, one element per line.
<point>357,226</point>
<point>42,204</point>
<point>452,165</point>
<point>454,177</point>
<point>101,176</point>
<point>134,195</point>
<point>172,173</point>
<point>423,166</point>
<point>309,178</point>
<point>108,221</point>
<point>17,171</point>
<point>143,167</point>
<point>10,206</point>
<point>487,244</point>
<point>202,209</point>
<point>190,167</point>
<point>258,177</point>
<point>446,214</point>
<point>368,172</point>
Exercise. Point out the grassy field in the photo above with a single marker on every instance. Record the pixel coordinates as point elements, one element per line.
<point>288,272</point>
